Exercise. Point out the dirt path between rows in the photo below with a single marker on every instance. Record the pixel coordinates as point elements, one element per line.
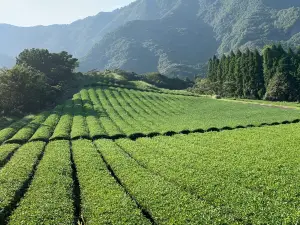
<point>263,104</point>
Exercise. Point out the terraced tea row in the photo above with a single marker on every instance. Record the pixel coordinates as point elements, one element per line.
<point>117,112</point>
<point>247,176</point>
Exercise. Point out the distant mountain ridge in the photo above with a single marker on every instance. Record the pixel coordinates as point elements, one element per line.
<point>175,37</point>
<point>77,37</point>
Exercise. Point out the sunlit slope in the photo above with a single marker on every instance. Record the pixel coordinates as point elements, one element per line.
<point>112,112</point>
<point>86,162</point>
<point>248,176</point>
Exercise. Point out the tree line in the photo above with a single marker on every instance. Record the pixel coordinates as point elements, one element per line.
<point>273,75</point>
<point>37,80</point>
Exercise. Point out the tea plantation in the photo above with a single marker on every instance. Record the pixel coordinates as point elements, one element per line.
<point>114,155</point>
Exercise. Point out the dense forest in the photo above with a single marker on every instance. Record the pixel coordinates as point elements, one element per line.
<point>273,75</point>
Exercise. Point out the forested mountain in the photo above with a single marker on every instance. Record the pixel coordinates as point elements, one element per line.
<point>79,36</point>
<point>176,37</point>
<point>172,44</point>
<point>183,40</point>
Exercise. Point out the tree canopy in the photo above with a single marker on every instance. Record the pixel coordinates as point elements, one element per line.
<point>38,79</point>
<point>274,75</point>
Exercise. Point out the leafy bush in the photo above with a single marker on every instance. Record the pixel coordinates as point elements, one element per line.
<point>161,198</point>
<point>49,200</point>
<point>162,81</point>
<point>10,131</point>
<point>64,126</point>
<point>46,128</point>
<point>16,173</point>
<point>104,201</point>
<point>5,151</point>
<point>203,86</point>
<point>28,131</point>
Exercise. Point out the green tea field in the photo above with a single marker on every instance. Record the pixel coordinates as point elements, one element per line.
<point>113,155</point>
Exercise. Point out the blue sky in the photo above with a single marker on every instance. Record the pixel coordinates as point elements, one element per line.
<point>46,12</point>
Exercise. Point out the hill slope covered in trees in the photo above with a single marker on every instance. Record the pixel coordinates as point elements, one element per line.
<point>175,37</point>
<point>79,36</point>
<point>274,75</point>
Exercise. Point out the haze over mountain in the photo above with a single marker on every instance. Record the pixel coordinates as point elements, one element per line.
<point>175,37</point>
<point>6,61</point>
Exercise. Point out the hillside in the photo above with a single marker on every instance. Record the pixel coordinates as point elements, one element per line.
<point>167,45</point>
<point>182,42</point>
<point>114,112</point>
<point>175,37</point>
<point>114,155</point>
<point>79,36</point>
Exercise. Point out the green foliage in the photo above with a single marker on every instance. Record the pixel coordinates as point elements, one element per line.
<point>91,116</point>
<point>15,174</point>
<point>5,151</point>
<point>162,81</point>
<point>6,121</point>
<point>106,122</point>
<point>57,67</point>
<point>79,128</point>
<point>203,86</point>
<point>119,112</point>
<point>45,131</point>
<point>174,204</point>
<point>38,80</point>
<point>64,126</point>
<point>104,201</point>
<point>232,171</point>
<point>237,75</point>
<point>219,178</point>
<point>127,79</point>
<point>279,89</point>
<point>10,131</point>
<point>249,75</point>
<point>224,25</point>
<point>49,200</point>
<point>27,131</point>
<point>23,89</point>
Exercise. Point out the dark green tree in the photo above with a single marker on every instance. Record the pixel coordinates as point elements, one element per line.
<point>23,89</point>
<point>238,74</point>
<point>57,67</point>
<point>210,71</point>
<point>220,75</point>
<point>279,88</point>
<point>245,63</point>
<point>230,83</point>
<point>274,75</point>
<point>259,83</point>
